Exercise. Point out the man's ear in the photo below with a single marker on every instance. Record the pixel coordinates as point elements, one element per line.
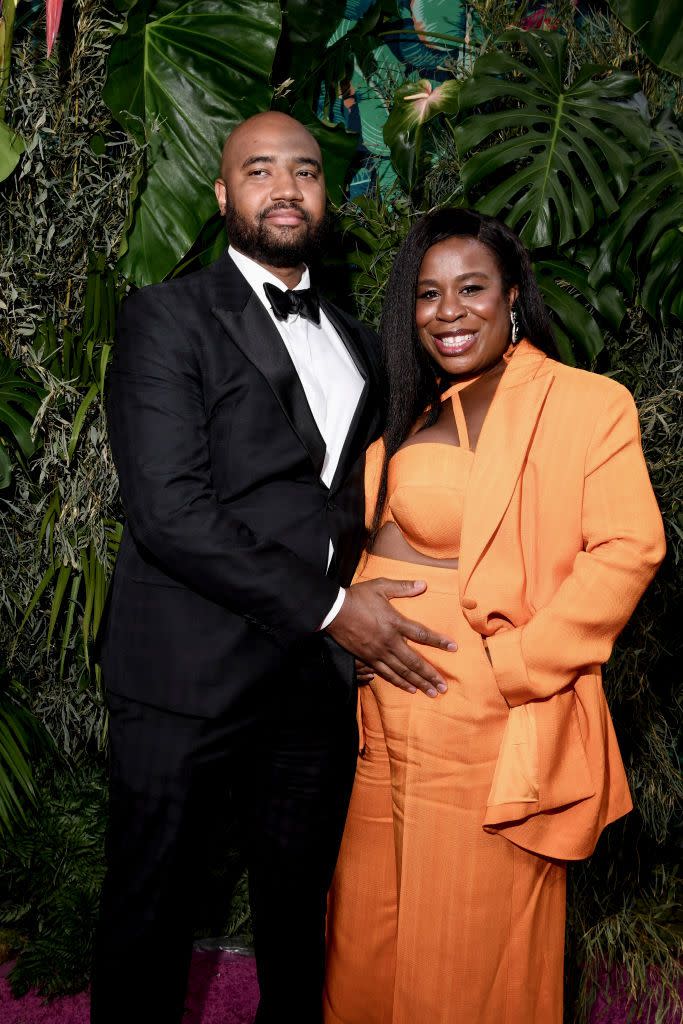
<point>221,195</point>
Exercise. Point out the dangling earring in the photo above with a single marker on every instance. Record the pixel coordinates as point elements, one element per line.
<point>515,326</point>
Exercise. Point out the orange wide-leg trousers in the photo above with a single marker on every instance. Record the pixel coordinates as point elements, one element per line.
<point>431,919</point>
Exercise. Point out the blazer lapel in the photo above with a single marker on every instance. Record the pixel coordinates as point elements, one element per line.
<point>254,333</point>
<point>358,425</point>
<point>503,444</point>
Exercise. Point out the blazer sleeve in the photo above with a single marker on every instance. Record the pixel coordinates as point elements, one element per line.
<point>623,546</point>
<point>159,439</point>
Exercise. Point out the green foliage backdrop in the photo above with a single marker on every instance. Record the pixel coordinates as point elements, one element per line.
<point>572,134</point>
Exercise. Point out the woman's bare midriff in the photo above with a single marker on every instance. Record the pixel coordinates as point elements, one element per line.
<point>390,543</point>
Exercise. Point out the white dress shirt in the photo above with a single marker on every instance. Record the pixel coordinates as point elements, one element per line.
<point>328,375</point>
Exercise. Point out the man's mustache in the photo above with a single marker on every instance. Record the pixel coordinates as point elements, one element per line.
<point>304,214</point>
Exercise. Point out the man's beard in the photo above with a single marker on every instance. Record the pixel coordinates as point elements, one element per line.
<point>271,246</point>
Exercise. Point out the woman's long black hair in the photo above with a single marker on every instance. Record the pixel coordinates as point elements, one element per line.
<point>412,379</point>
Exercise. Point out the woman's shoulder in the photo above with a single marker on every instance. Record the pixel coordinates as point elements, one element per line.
<point>589,387</point>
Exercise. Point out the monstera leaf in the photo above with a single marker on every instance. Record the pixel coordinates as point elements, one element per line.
<point>647,235</point>
<point>563,146</point>
<point>19,403</point>
<point>577,308</point>
<point>415,104</point>
<point>657,24</point>
<point>181,76</point>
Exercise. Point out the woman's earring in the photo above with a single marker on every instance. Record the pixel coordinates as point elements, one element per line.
<point>515,326</point>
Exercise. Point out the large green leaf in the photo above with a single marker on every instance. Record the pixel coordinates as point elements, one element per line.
<point>181,76</point>
<point>565,148</point>
<point>11,148</point>
<point>578,310</point>
<point>657,24</point>
<point>19,403</point>
<point>415,104</point>
<point>647,235</point>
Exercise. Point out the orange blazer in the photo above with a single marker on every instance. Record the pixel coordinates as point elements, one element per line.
<point>561,535</point>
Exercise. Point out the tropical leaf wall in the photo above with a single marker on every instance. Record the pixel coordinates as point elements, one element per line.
<point>564,118</point>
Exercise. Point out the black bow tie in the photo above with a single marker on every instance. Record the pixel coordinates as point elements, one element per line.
<point>303,302</point>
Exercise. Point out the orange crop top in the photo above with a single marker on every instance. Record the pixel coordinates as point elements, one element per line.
<point>426,486</point>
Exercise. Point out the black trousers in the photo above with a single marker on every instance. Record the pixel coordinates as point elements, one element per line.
<point>290,769</point>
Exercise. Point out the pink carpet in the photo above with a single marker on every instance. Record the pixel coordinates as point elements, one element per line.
<point>222,990</point>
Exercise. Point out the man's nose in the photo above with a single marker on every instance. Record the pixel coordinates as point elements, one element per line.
<point>286,186</point>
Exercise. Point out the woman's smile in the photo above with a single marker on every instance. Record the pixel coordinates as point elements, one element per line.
<point>455,343</point>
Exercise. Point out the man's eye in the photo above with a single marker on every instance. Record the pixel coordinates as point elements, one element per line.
<point>258,171</point>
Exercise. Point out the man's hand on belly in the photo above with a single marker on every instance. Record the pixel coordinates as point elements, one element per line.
<point>371,628</point>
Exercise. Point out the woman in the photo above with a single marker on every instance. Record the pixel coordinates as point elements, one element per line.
<point>516,487</point>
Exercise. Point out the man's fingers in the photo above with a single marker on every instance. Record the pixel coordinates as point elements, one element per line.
<point>396,680</point>
<point>401,588</point>
<point>419,634</point>
<point>416,672</point>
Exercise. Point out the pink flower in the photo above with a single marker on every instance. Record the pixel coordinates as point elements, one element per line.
<point>424,98</point>
<point>541,19</point>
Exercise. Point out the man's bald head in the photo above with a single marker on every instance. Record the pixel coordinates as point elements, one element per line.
<point>268,129</point>
<point>272,190</point>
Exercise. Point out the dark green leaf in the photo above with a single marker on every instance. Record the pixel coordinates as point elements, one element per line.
<point>180,78</point>
<point>576,307</point>
<point>98,145</point>
<point>307,25</point>
<point>657,24</point>
<point>566,147</point>
<point>210,244</point>
<point>647,235</point>
<point>79,418</point>
<point>19,403</point>
<point>18,732</point>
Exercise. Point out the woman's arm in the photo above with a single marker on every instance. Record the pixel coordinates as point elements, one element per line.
<point>623,546</point>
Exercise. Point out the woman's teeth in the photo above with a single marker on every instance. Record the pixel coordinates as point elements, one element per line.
<point>455,342</point>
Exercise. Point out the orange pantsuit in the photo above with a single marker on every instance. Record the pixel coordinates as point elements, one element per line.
<point>448,901</point>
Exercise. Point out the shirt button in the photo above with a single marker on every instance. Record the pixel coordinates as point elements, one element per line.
<point>469,603</point>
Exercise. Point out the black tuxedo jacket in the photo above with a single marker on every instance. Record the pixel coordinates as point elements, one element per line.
<point>222,570</point>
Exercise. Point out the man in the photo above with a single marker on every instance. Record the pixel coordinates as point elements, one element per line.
<point>239,411</point>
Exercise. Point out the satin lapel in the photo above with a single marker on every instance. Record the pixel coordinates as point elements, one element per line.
<point>503,444</point>
<point>254,333</point>
<point>354,437</point>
